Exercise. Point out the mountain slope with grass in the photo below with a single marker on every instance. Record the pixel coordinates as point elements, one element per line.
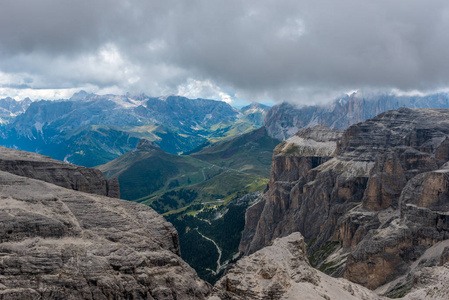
<point>169,182</point>
<point>149,170</point>
<point>251,153</point>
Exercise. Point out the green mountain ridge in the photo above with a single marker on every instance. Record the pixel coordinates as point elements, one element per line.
<point>251,152</point>
<point>148,173</point>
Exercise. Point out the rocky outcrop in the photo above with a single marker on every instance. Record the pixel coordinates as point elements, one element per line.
<point>293,159</point>
<point>430,283</point>
<point>426,278</point>
<point>146,145</point>
<point>57,243</point>
<point>282,271</point>
<point>66,175</point>
<point>369,201</point>
<point>284,120</point>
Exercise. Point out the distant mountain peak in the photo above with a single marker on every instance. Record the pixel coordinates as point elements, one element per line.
<point>146,145</point>
<point>255,105</point>
<point>81,95</point>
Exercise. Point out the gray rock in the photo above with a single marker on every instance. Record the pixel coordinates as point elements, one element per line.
<point>57,243</point>
<point>370,201</point>
<point>282,271</point>
<point>66,175</point>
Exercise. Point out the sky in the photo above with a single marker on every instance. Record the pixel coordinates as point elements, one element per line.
<point>302,51</point>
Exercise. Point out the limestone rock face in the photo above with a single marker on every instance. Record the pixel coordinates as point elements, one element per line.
<point>57,243</point>
<point>282,271</point>
<point>66,175</point>
<point>293,160</point>
<point>370,200</point>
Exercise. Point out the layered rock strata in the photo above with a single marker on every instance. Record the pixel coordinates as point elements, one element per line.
<point>66,175</point>
<point>57,243</point>
<point>370,200</point>
<point>273,215</point>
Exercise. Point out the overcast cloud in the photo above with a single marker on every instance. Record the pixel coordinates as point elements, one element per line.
<point>302,51</point>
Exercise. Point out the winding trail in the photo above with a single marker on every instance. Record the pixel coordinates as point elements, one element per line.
<point>219,266</point>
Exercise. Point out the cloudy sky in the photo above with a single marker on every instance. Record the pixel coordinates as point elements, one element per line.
<point>256,50</point>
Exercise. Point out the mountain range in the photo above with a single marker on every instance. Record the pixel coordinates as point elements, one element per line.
<point>285,119</point>
<point>168,182</point>
<point>90,129</point>
<point>371,202</point>
<point>225,155</point>
<point>10,108</point>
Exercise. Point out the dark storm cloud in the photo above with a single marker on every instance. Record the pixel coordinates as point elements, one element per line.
<point>254,49</point>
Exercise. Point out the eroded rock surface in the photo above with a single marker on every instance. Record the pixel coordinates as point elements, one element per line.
<point>70,176</point>
<point>57,243</point>
<point>282,271</point>
<point>371,207</point>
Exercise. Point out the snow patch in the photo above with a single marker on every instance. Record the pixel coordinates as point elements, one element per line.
<point>38,126</point>
<point>309,147</point>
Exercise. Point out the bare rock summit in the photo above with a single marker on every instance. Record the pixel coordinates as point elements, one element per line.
<point>282,271</point>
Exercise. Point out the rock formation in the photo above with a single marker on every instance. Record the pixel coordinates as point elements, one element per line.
<point>70,176</point>
<point>293,159</point>
<point>370,200</point>
<point>282,271</point>
<point>57,243</point>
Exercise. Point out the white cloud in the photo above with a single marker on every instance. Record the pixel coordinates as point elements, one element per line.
<point>36,94</point>
<point>203,89</point>
<point>298,50</point>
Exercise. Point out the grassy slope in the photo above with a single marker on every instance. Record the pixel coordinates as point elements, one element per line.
<point>142,173</point>
<point>217,190</point>
<point>251,153</point>
<point>221,171</point>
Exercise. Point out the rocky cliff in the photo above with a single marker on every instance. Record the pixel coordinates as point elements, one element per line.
<point>370,200</point>
<point>284,120</point>
<point>282,271</point>
<point>70,176</point>
<point>273,215</point>
<point>57,243</point>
